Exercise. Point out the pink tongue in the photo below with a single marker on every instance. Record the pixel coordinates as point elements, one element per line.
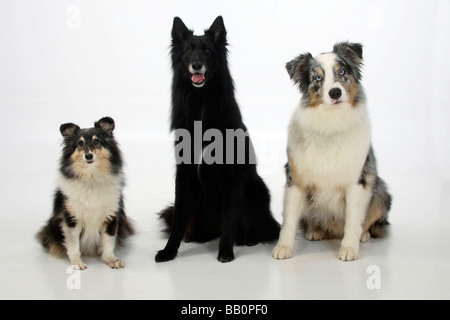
<point>198,77</point>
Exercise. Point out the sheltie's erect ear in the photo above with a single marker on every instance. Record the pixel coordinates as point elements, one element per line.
<point>105,124</point>
<point>217,31</point>
<point>69,130</point>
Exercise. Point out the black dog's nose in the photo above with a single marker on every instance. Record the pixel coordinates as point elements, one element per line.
<point>335,93</point>
<point>89,156</point>
<point>197,66</point>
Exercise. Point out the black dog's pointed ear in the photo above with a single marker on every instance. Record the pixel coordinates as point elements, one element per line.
<point>69,130</point>
<point>217,31</point>
<point>179,30</point>
<point>352,51</point>
<point>105,124</point>
<point>298,70</point>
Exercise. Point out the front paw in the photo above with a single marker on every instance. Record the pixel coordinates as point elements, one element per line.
<point>77,264</point>
<point>225,257</point>
<point>282,252</point>
<point>348,253</point>
<point>114,262</point>
<point>165,255</point>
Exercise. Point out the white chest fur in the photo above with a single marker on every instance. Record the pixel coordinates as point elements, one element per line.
<point>329,145</point>
<point>91,202</point>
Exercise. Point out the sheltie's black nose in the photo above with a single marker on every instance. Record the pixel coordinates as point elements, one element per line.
<point>89,156</point>
<point>335,93</point>
<point>197,66</point>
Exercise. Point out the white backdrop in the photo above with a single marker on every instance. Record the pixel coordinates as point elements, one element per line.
<point>79,60</point>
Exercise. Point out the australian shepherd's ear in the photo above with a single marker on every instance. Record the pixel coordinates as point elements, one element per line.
<point>298,70</point>
<point>353,51</point>
<point>352,54</point>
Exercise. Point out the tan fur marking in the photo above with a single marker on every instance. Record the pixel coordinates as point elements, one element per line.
<point>69,209</point>
<point>352,92</point>
<point>57,251</point>
<point>315,98</point>
<point>374,214</point>
<point>350,87</point>
<point>370,180</point>
<point>375,211</point>
<point>103,163</point>
<point>78,165</point>
<point>83,170</point>
<point>67,206</point>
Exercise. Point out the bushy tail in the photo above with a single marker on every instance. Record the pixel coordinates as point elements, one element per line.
<point>263,227</point>
<point>126,228</point>
<point>167,217</point>
<point>50,237</point>
<point>380,229</point>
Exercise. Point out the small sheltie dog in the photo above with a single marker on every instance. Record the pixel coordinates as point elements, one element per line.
<point>88,209</point>
<point>212,200</point>
<point>332,186</point>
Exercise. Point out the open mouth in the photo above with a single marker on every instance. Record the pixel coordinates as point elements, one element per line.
<point>198,80</point>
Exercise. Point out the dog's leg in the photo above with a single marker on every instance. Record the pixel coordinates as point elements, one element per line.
<point>227,231</point>
<point>294,207</point>
<point>183,208</point>
<point>180,220</point>
<point>109,243</point>
<point>72,244</point>
<point>357,200</point>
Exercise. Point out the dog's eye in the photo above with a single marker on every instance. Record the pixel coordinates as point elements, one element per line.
<point>96,142</point>
<point>318,78</point>
<point>188,50</point>
<point>81,143</point>
<point>341,72</point>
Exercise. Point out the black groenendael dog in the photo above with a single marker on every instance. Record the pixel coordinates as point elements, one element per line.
<point>229,201</point>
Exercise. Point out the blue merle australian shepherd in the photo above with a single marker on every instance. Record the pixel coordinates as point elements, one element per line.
<point>225,199</point>
<point>333,188</point>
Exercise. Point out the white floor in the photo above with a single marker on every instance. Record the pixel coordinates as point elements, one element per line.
<point>412,264</point>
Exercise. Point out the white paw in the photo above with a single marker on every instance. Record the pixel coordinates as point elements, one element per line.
<point>315,236</point>
<point>348,254</point>
<point>282,252</point>
<point>78,265</point>
<point>365,236</point>
<point>114,262</point>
